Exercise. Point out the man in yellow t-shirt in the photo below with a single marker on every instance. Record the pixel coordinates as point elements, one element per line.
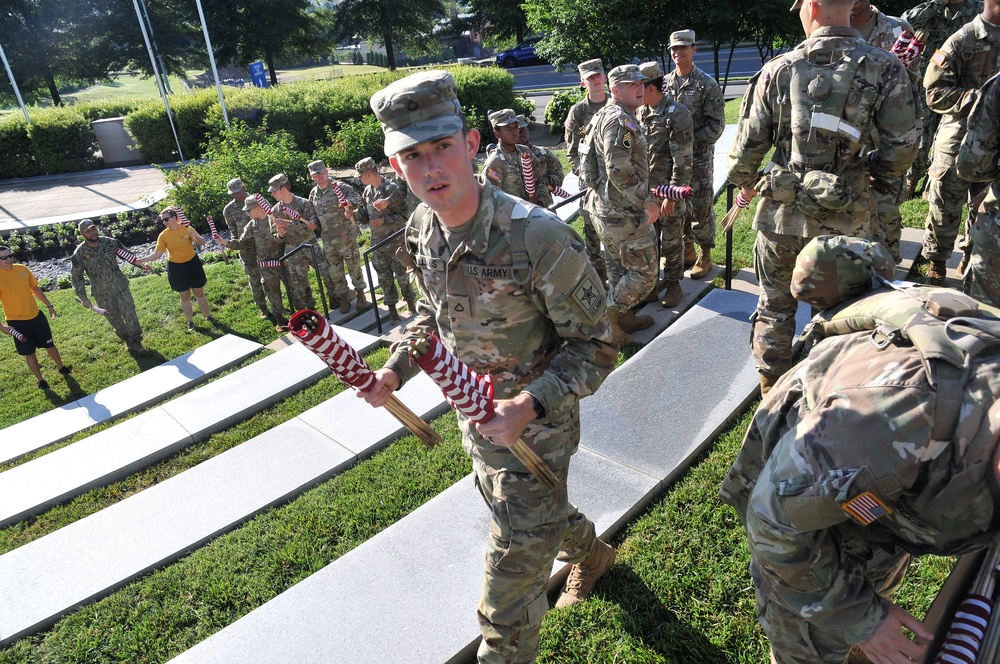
<point>25,322</point>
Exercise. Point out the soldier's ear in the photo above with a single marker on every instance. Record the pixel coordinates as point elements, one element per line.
<point>472,139</point>
<point>395,166</point>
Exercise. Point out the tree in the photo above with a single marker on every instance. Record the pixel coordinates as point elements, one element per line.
<point>392,23</point>
<point>498,21</point>
<point>773,28</point>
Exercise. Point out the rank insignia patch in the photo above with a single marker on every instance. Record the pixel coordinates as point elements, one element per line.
<point>866,508</point>
<point>627,140</point>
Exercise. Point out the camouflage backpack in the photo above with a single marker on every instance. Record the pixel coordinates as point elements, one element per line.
<point>590,169</point>
<point>948,328</point>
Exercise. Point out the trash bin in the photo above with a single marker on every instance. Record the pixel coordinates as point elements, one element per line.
<point>117,146</point>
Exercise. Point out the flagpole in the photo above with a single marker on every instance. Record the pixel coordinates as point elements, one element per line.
<point>211,59</point>
<point>156,75</point>
<point>17,93</point>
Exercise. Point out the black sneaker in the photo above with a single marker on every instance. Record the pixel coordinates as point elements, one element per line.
<point>190,327</point>
<point>66,370</point>
<point>43,384</point>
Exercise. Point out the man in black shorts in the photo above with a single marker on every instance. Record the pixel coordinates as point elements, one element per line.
<point>25,322</point>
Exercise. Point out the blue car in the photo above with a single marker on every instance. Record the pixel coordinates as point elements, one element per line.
<point>522,54</point>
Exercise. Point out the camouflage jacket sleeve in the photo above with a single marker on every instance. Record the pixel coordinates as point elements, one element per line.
<point>755,132</point>
<point>943,82</point>
<point>897,125</point>
<point>395,214</point>
<point>980,152</point>
<point>573,135</point>
<point>713,115</point>
<point>628,174</point>
<point>552,167</point>
<point>76,275</point>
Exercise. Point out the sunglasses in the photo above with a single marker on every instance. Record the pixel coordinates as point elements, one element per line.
<point>3,258</point>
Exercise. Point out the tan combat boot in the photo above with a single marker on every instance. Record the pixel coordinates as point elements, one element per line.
<point>703,265</point>
<point>689,255</point>
<point>767,381</point>
<point>619,336</point>
<point>362,301</point>
<point>936,273</point>
<point>583,576</point>
<point>629,322</point>
<point>672,296</point>
<point>393,314</point>
<point>411,304</point>
<point>651,296</point>
<point>345,304</point>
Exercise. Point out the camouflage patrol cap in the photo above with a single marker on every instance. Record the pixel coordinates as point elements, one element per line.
<point>589,68</point>
<point>522,121</point>
<point>625,74</point>
<point>251,203</point>
<point>365,165</point>
<point>235,186</point>
<point>651,70</point>
<point>278,181</point>
<point>421,107</point>
<point>503,117</point>
<point>85,224</point>
<point>831,269</point>
<point>682,38</point>
<point>318,166</point>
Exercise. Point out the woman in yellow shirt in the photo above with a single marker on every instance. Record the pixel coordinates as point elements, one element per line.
<point>184,271</point>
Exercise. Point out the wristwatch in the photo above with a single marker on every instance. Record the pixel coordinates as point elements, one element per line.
<point>539,408</point>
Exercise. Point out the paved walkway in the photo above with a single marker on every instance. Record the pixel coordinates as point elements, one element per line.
<point>52,199</point>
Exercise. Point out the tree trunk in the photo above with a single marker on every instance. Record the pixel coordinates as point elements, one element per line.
<point>390,52</point>
<point>53,90</point>
<point>269,59</point>
<point>715,56</point>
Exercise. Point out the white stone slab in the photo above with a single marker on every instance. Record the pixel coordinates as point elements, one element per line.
<point>128,396</point>
<point>424,594</point>
<point>571,183</point>
<point>91,558</point>
<point>721,161</point>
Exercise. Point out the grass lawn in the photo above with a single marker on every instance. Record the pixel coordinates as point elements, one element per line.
<point>680,591</point>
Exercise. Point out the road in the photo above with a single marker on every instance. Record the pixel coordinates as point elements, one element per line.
<point>746,61</point>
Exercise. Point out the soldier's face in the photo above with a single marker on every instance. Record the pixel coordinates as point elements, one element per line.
<point>522,135</point>
<point>508,134</point>
<point>257,213</point>
<point>282,195</point>
<point>630,94</point>
<point>322,179</point>
<point>91,234</point>
<point>441,174</point>
<point>594,84</point>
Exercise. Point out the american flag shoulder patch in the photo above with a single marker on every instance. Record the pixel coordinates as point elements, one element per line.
<point>866,508</point>
<point>493,175</point>
<point>939,58</point>
<point>631,126</point>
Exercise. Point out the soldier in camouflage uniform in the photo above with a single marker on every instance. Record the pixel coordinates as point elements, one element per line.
<point>340,235</point>
<point>384,209</point>
<point>699,92</point>
<point>670,133</point>
<point>537,327</point>
<point>593,79</point>
<point>954,75</point>
<point>790,212</point>
<point>854,463</point>
<point>97,258</point>
<point>615,168</point>
<point>979,161</point>
<point>881,31</point>
<point>939,19</point>
<point>503,167</point>
<point>551,174</point>
<point>236,220</point>
<point>292,232</point>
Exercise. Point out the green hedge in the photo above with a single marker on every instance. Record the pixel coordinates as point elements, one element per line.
<point>16,159</point>
<point>558,107</point>
<point>149,127</point>
<point>62,140</point>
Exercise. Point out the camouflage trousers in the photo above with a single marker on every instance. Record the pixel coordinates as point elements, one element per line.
<point>593,244</point>
<point>530,526</point>
<point>248,256</point>
<point>946,193</point>
<point>983,275</point>
<point>300,292</point>
<point>118,302</point>
<point>918,168</point>
<point>888,197</point>
<point>793,639</point>
<point>698,216</point>
<point>773,323</point>
<point>631,260</point>
<point>390,270</point>
<point>340,252</point>
<point>270,280</point>
<point>672,243</point>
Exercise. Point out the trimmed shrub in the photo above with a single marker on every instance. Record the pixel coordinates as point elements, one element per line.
<point>150,129</point>
<point>62,140</point>
<point>557,110</point>
<point>16,158</point>
<point>253,154</point>
<point>109,107</point>
<point>355,140</point>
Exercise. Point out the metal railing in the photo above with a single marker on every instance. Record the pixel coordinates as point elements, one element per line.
<point>319,278</point>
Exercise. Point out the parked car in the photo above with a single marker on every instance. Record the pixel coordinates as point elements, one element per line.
<point>522,54</point>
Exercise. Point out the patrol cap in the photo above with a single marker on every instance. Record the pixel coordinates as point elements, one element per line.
<point>250,203</point>
<point>421,107</point>
<point>589,68</point>
<point>625,74</point>
<point>832,269</point>
<point>365,165</point>
<point>235,186</point>
<point>503,117</point>
<point>522,121</point>
<point>651,70</point>
<point>85,224</point>
<point>278,181</point>
<point>682,38</point>
<point>318,166</point>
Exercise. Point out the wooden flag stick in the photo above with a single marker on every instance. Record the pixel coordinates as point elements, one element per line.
<point>427,435</point>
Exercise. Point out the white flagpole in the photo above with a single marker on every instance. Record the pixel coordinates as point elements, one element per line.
<point>17,93</point>
<point>211,59</point>
<point>156,75</point>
